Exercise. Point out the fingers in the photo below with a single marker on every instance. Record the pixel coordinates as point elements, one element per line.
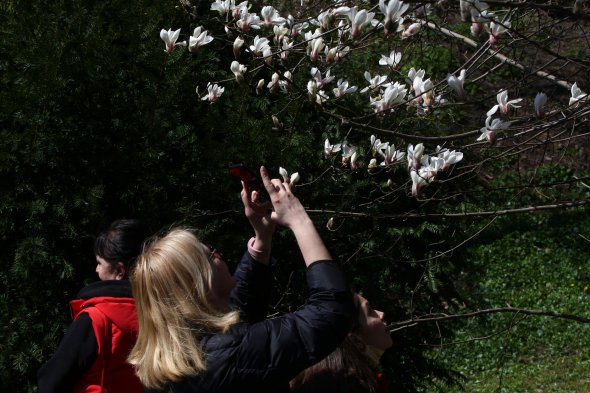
<point>270,188</point>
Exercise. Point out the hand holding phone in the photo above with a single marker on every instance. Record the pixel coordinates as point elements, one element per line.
<point>252,181</point>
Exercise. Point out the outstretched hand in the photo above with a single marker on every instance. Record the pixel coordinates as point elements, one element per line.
<point>259,214</point>
<point>288,210</point>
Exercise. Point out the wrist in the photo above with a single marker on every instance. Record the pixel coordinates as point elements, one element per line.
<point>259,249</point>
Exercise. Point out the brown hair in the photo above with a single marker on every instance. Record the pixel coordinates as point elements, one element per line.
<point>346,370</point>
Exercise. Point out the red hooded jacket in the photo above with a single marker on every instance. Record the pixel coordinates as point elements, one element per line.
<point>114,321</point>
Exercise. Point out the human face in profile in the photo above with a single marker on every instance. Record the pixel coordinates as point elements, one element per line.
<point>373,330</point>
<point>223,281</point>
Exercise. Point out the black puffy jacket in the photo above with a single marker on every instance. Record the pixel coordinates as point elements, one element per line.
<point>263,355</point>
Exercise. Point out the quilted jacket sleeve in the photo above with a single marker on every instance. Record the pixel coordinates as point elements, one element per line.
<point>276,350</point>
<point>252,292</point>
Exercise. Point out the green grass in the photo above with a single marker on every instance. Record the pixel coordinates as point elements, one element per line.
<point>533,262</point>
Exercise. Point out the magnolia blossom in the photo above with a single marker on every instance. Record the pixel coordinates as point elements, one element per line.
<point>238,42</point>
<point>415,155</point>
<point>283,172</point>
<point>348,153</point>
<point>372,164</point>
<point>285,84</point>
<point>393,95</point>
<point>456,82</point>
<point>260,44</point>
<point>491,129</point>
<point>577,94</point>
<point>259,86</point>
<point>199,38</point>
<point>412,74</point>
<point>317,75</point>
<point>312,89</point>
<point>342,88</point>
<point>222,6</point>
<point>324,20</point>
<point>170,37</point>
<point>412,29</point>
<point>316,46</point>
<point>213,92</point>
<point>423,87</point>
<point>238,10</point>
<point>540,101</point>
<point>377,146</point>
<point>392,61</point>
<point>271,16</point>
<point>280,32</point>
<point>449,157</point>
<point>329,148</point>
<point>503,103</point>
<point>420,179</point>
<point>390,155</point>
<point>321,97</point>
<point>497,29</point>
<point>273,85</point>
<point>375,82</point>
<point>393,12</point>
<point>286,48</point>
<point>358,19</point>
<point>247,21</point>
<point>238,70</point>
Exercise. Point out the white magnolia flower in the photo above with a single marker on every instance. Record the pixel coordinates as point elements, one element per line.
<point>316,46</point>
<point>497,29</point>
<point>342,88</point>
<point>503,103</point>
<point>393,95</point>
<point>329,148</point>
<point>358,19</point>
<point>238,70</point>
<point>412,29</point>
<point>393,12</point>
<point>423,91</point>
<point>390,155</point>
<point>260,44</point>
<point>456,82</point>
<point>377,146</point>
<point>199,38</point>
<point>347,152</point>
<point>280,33</point>
<point>372,164</point>
<point>577,94</point>
<point>247,21</point>
<point>213,92</point>
<point>449,157</point>
<point>491,129</point>
<point>170,37</point>
<point>259,86</point>
<point>286,48</point>
<point>274,85</point>
<point>238,42</point>
<point>392,60</point>
<point>375,82</point>
<point>238,10</point>
<point>222,6</point>
<point>283,172</point>
<point>420,179</point>
<point>324,20</point>
<point>412,74</point>
<point>317,75</point>
<point>271,16</point>
<point>540,101</point>
<point>415,155</point>
<point>321,97</point>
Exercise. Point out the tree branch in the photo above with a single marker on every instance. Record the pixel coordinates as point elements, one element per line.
<point>446,317</point>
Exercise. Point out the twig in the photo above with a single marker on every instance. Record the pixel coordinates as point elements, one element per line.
<point>446,317</point>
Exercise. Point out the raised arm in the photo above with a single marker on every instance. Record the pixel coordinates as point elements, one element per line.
<point>289,212</point>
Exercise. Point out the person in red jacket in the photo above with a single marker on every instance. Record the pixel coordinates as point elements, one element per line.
<point>92,355</point>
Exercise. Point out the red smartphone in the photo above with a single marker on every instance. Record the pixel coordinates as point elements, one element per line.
<point>251,179</point>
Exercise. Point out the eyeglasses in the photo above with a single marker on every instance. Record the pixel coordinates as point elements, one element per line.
<point>212,253</point>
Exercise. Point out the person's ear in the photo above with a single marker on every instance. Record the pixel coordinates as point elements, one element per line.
<point>120,271</point>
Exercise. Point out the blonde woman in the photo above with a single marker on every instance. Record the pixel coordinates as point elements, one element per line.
<point>202,330</point>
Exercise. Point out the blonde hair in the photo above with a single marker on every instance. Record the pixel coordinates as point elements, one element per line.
<point>171,284</point>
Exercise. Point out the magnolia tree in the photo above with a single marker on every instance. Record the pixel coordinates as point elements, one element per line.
<point>425,103</point>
